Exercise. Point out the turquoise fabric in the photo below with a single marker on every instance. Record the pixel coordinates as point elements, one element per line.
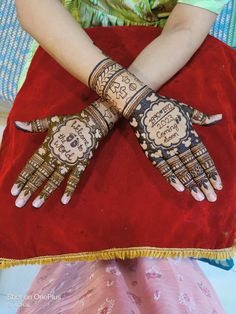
<point>15,45</point>
<point>210,5</point>
<point>224,27</point>
<point>226,264</point>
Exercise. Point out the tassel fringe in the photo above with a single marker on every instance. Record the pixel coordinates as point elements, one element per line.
<point>123,253</point>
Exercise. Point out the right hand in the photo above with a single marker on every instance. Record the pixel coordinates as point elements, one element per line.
<point>164,130</point>
<point>163,127</point>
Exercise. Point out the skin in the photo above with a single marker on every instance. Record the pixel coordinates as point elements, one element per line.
<point>183,34</point>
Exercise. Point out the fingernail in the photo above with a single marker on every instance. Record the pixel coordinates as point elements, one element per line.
<point>15,190</point>
<point>199,196</point>
<point>180,188</point>
<point>20,202</point>
<point>219,186</point>
<point>212,197</point>
<point>219,116</point>
<point>23,126</point>
<point>38,202</point>
<point>65,199</point>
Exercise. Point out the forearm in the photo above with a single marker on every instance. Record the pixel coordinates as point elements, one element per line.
<point>63,38</point>
<point>60,35</point>
<point>183,34</point>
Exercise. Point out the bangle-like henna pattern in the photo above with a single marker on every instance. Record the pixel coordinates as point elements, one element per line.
<point>68,148</point>
<point>163,127</point>
<point>118,86</point>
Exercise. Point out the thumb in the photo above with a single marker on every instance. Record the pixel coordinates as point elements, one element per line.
<point>204,119</point>
<point>34,126</point>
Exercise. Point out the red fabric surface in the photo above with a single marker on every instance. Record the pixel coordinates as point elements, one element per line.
<point>122,200</point>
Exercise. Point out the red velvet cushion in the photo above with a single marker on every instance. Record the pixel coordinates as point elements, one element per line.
<point>122,200</point>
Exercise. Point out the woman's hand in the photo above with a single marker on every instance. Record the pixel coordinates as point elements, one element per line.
<point>164,130</point>
<point>76,52</point>
<point>67,149</point>
<point>72,139</point>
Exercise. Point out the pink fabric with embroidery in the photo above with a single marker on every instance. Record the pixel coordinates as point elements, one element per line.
<point>137,286</point>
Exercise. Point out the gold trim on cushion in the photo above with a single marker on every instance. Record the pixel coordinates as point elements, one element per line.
<point>123,253</point>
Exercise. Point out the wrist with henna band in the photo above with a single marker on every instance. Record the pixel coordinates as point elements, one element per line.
<point>163,127</point>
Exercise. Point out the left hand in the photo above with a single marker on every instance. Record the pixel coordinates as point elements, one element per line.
<point>67,149</point>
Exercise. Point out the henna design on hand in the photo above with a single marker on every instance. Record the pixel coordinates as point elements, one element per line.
<point>67,149</point>
<point>199,117</point>
<point>165,132</point>
<point>40,125</point>
<point>163,127</point>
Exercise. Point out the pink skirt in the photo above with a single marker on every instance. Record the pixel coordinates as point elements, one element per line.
<point>131,286</point>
